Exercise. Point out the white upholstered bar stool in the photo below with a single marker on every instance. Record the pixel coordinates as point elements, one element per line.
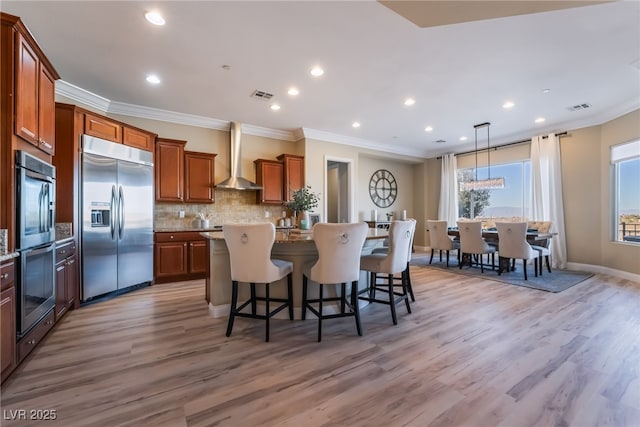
<point>390,264</point>
<point>513,244</point>
<point>407,271</point>
<point>440,240</point>
<point>472,243</point>
<point>250,256</point>
<point>339,249</point>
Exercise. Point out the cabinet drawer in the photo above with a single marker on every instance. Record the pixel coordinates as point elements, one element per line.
<point>65,251</point>
<point>33,338</point>
<point>7,274</point>
<point>178,236</point>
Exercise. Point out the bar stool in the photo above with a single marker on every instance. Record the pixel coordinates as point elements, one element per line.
<point>252,243</point>
<point>391,263</point>
<point>339,249</point>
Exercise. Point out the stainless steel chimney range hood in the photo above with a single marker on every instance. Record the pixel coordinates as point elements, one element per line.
<point>236,181</point>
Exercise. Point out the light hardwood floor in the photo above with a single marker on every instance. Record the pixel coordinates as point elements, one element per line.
<point>473,353</point>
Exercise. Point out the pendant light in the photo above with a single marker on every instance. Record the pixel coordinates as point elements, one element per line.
<point>483,184</point>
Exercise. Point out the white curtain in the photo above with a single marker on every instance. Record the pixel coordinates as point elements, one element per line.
<point>546,180</point>
<point>448,207</point>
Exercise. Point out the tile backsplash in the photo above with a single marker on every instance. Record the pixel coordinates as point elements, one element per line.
<point>230,206</point>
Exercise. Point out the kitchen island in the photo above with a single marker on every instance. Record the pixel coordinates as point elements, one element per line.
<point>298,248</point>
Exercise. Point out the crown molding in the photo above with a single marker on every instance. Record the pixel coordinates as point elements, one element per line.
<point>82,96</point>
<point>361,143</point>
<point>167,116</point>
<point>268,132</point>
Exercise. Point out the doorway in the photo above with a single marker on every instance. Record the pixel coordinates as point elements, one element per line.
<point>338,189</point>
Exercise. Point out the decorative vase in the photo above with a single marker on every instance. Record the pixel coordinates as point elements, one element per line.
<point>305,222</point>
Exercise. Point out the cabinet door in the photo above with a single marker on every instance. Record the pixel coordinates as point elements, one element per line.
<point>169,170</point>
<point>61,298</point>
<point>7,331</point>
<point>46,112</point>
<point>26,95</point>
<point>102,128</point>
<point>170,259</point>
<point>138,139</point>
<point>198,257</point>
<point>269,177</point>
<point>293,174</point>
<point>199,177</point>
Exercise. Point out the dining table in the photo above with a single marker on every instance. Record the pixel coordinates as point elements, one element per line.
<point>292,245</point>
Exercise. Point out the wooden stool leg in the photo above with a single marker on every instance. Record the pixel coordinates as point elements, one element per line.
<point>320,313</point>
<point>354,304</point>
<point>232,311</point>
<point>392,302</point>
<point>268,313</point>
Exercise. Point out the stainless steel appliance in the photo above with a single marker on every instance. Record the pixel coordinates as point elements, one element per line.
<point>117,217</point>
<point>35,196</point>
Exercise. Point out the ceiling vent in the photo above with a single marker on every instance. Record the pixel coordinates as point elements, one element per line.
<point>440,141</point>
<point>579,107</point>
<point>260,94</point>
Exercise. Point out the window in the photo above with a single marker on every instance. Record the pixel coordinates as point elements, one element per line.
<point>625,163</point>
<point>514,200</point>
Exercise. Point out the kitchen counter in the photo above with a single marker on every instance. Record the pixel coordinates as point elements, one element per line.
<point>8,256</point>
<point>180,229</point>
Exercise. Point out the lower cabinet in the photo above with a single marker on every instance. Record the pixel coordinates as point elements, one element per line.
<point>180,256</point>
<point>35,335</point>
<point>8,360</point>
<point>66,277</point>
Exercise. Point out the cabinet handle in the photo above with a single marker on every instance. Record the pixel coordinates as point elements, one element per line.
<point>63,251</point>
<point>45,143</point>
<point>49,322</point>
<point>5,276</point>
<point>171,237</point>
<point>31,342</point>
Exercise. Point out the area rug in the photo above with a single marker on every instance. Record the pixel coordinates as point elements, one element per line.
<point>556,281</point>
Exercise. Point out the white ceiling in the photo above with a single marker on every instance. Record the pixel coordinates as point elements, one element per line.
<point>459,74</point>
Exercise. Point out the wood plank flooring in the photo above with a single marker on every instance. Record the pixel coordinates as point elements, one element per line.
<point>473,353</point>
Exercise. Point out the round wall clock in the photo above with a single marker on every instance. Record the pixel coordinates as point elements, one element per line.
<point>383,188</point>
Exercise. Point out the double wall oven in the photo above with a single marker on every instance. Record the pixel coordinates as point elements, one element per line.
<point>35,197</point>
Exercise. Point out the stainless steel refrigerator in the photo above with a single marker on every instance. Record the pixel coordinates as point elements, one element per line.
<point>117,217</point>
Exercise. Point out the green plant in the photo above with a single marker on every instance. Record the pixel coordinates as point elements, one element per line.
<point>303,200</point>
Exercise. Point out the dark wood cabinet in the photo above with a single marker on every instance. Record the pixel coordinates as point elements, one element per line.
<point>46,112</point>
<point>199,170</point>
<point>66,278</point>
<point>293,174</point>
<point>169,170</point>
<point>269,175</point>
<point>180,256</point>
<point>31,340</point>
<point>7,319</point>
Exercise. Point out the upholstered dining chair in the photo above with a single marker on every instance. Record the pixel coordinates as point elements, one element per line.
<point>390,264</point>
<point>407,271</point>
<point>472,244</point>
<point>252,243</point>
<point>512,237</point>
<point>339,248</point>
<point>440,240</point>
<point>542,245</point>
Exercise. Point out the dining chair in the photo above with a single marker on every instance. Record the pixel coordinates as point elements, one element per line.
<point>472,244</point>
<point>512,237</point>
<point>407,271</point>
<point>390,264</point>
<point>250,261</point>
<point>542,245</point>
<point>339,247</point>
<point>440,240</point>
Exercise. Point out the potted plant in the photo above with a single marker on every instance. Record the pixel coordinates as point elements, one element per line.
<point>303,201</point>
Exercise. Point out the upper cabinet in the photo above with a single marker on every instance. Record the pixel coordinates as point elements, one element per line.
<point>34,86</point>
<point>112,130</point>
<point>183,176</point>
<point>293,174</point>
<point>269,175</point>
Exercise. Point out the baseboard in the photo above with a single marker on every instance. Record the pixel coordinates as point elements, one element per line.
<point>604,270</point>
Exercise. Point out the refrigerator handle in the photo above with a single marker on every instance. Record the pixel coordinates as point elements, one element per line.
<point>41,209</point>
<point>112,212</point>
<point>121,213</point>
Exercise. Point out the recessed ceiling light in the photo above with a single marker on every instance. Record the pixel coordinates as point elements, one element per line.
<point>508,105</point>
<point>409,101</point>
<point>293,91</point>
<point>155,18</point>
<point>428,129</point>
<point>153,79</point>
<point>316,71</point>
<point>546,90</point>
<point>463,138</point>
<point>275,107</point>
<point>540,120</point>
<point>356,124</point>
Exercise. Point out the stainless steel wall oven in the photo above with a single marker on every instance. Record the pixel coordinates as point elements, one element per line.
<point>35,196</point>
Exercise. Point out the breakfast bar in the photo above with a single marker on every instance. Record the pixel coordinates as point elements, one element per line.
<point>290,245</point>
